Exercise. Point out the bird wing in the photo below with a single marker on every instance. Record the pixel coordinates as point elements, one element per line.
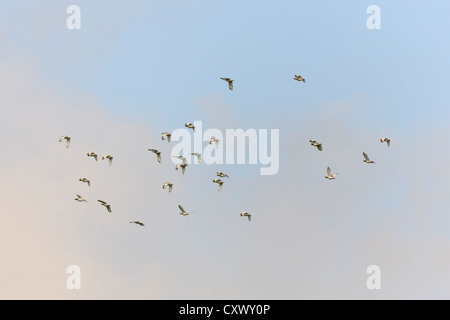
<point>169,137</point>
<point>220,186</point>
<point>388,142</point>
<point>230,84</point>
<point>249,216</point>
<point>319,147</point>
<point>170,187</point>
<point>110,160</point>
<point>108,207</point>
<point>199,158</point>
<point>365,156</point>
<point>329,171</point>
<point>181,208</point>
<point>159,157</point>
<point>183,169</point>
<point>102,202</point>
<point>67,143</point>
<point>217,144</point>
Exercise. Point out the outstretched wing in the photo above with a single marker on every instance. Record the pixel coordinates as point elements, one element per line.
<point>230,85</point>
<point>159,157</point>
<point>181,208</point>
<point>329,171</point>
<point>319,147</point>
<point>102,202</point>
<point>220,186</point>
<point>366,156</point>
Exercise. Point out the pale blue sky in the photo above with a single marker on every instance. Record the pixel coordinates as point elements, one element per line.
<point>139,68</point>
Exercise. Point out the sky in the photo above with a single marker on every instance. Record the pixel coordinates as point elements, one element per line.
<point>137,69</point>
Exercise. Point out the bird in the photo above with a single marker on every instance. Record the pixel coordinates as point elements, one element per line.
<point>106,205</point>
<point>189,125</point>
<point>109,157</point>
<point>183,212</point>
<point>67,138</point>
<point>166,134</point>
<point>329,175</point>
<point>230,82</point>
<point>299,78</point>
<point>220,182</point>
<point>222,175</point>
<point>85,181</point>
<point>80,198</point>
<point>214,139</point>
<point>138,222</point>
<point>366,158</point>
<point>181,158</point>
<point>168,184</point>
<point>387,140</point>
<point>182,166</point>
<point>92,154</point>
<point>316,144</point>
<point>158,154</point>
<point>246,214</point>
<point>198,155</point>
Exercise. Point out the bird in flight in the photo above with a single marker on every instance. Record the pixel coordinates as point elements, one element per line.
<point>182,166</point>
<point>85,181</point>
<point>183,212</point>
<point>166,134</point>
<point>316,144</point>
<point>181,158</point>
<point>388,141</point>
<point>222,175</point>
<point>329,175</point>
<point>198,155</point>
<point>138,222</point>
<point>158,154</point>
<point>366,158</point>
<point>246,214</point>
<point>230,82</point>
<point>93,154</point>
<point>109,157</point>
<point>220,182</point>
<point>106,205</point>
<point>168,184</point>
<point>299,78</point>
<point>189,125</point>
<point>80,198</point>
<point>214,139</point>
<point>67,138</point>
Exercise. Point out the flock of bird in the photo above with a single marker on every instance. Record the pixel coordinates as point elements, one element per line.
<point>183,164</point>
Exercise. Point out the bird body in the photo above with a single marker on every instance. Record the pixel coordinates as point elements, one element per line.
<point>189,125</point>
<point>330,176</point>
<point>85,181</point>
<point>299,78</point>
<point>80,198</point>
<point>109,157</point>
<point>67,138</point>
<point>222,175</point>
<point>168,184</point>
<point>366,158</point>
<point>106,205</point>
<point>183,212</point>
<point>93,154</point>
<point>220,182</point>
<point>387,140</point>
<point>230,82</point>
<point>158,154</point>
<point>246,214</point>
<point>166,134</point>
<point>316,144</point>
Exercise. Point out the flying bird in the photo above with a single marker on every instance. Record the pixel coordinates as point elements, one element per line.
<point>183,212</point>
<point>182,166</point>
<point>158,154</point>
<point>189,125</point>
<point>106,205</point>
<point>166,134</point>
<point>67,138</point>
<point>329,175</point>
<point>388,141</point>
<point>85,181</point>
<point>181,158</point>
<point>220,182</point>
<point>138,222</point>
<point>222,175</point>
<point>299,78</point>
<point>230,82</point>
<point>214,139</point>
<point>316,144</point>
<point>80,198</point>
<point>168,184</point>
<point>109,157</point>
<point>198,155</point>
<point>93,154</point>
<point>246,214</point>
<point>366,158</point>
